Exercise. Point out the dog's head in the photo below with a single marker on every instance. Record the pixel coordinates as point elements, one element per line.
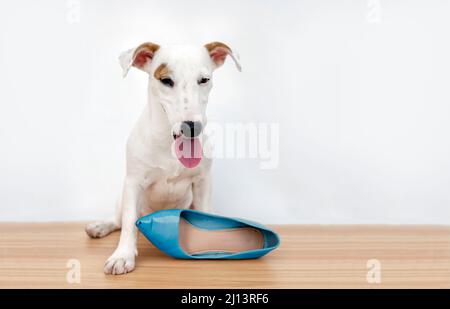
<point>180,79</point>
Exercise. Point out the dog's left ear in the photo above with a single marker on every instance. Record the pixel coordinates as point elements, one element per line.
<point>138,57</point>
<point>219,51</point>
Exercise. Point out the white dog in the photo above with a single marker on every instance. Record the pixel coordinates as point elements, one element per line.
<point>158,174</point>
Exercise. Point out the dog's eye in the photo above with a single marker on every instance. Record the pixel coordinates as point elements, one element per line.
<point>167,82</point>
<point>203,80</point>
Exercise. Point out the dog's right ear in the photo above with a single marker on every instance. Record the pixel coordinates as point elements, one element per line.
<point>219,51</point>
<point>139,57</point>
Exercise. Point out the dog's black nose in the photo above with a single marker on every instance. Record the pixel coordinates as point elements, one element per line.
<point>191,128</point>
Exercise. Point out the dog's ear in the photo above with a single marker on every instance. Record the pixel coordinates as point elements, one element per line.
<point>219,51</point>
<point>138,57</point>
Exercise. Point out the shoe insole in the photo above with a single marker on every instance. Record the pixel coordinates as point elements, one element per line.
<point>194,240</point>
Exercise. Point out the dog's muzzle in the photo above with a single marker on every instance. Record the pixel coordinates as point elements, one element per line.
<point>188,146</point>
<point>189,129</point>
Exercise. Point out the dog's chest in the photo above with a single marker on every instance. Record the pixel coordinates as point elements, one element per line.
<point>169,189</point>
<point>172,185</point>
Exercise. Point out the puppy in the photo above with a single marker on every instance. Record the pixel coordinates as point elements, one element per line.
<point>164,163</point>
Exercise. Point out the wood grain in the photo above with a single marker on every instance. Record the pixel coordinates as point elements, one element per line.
<point>35,255</point>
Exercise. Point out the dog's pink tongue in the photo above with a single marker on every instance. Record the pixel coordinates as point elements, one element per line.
<point>189,151</point>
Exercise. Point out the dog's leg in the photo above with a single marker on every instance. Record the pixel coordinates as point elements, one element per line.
<point>103,228</point>
<point>123,259</point>
<point>201,189</point>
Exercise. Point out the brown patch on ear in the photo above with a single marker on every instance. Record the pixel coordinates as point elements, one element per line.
<point>218,52</point>
<point>161,71</point>
<point>213,45</point>
<point>144,53</point>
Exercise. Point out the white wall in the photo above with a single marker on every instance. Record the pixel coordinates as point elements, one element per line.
<point>361,95</point>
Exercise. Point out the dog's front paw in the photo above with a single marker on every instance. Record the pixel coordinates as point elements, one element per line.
<point>119,264</point>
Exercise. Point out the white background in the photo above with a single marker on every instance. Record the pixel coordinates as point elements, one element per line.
<point>361,94</point>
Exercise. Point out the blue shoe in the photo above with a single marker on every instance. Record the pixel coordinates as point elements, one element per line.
<point>191,234</point>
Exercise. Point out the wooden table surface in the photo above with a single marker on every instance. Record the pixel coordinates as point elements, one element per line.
<point>36,255</point>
